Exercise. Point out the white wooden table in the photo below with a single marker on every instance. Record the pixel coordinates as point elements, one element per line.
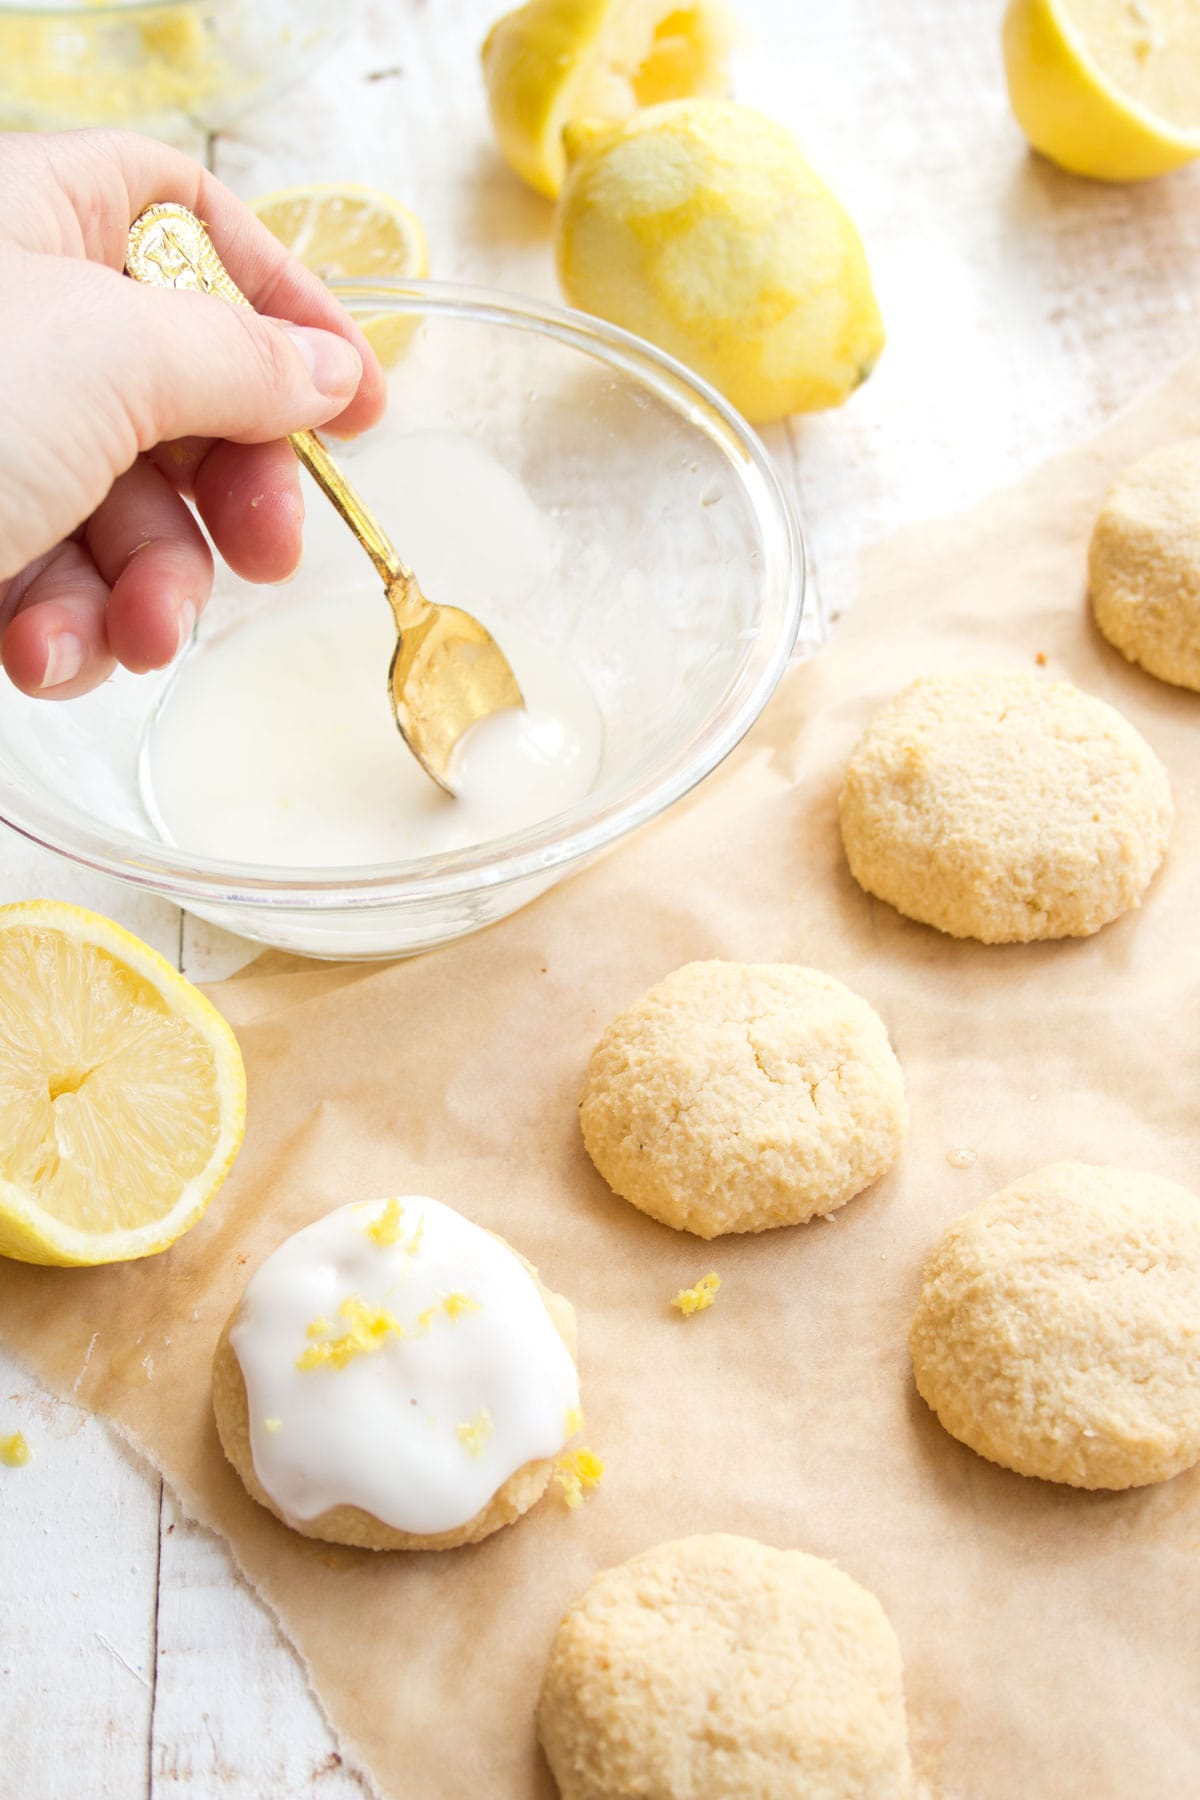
<point>1023,309</point>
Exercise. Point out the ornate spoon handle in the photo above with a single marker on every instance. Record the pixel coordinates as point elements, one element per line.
<point>168,247</point>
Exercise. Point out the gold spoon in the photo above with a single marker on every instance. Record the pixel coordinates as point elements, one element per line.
<point>446,673</point>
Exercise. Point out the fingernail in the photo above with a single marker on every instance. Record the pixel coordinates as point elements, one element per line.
<point>64,659</point>
<point>334,366</point>
<point>187,624</point>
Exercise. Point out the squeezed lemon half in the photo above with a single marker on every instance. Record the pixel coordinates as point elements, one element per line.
<point>122,1091</point>
<point>1107,88</point>
<point>345,230</point>
<point>556,60</point>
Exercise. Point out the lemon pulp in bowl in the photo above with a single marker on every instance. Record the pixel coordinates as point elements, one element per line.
<point>168,67</point>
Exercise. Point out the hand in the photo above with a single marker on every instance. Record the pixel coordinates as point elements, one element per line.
<point>124,402</point>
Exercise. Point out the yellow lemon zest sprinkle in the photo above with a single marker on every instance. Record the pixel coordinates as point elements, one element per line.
<point>385,1227</point>
<point>573,1422</point>
<point>577,1470</point>
<point>453,1305</point>
<point>414,1242</point>
<point>273,1425</point>
<point>14,1451</point>
<point>319,1328</point>
<point>696,1299</point>
<point>474,1433</point>
<point>369,1326</point>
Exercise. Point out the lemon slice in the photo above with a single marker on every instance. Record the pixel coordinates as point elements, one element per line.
<point>122,1091</point>
<point>1107,88</point>
<point>342,229</point>
<point>556,60</point>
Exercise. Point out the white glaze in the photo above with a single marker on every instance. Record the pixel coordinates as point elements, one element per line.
<point>381,1432</point>
<point>276,745</point>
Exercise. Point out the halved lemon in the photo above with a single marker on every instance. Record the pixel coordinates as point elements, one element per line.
<point>557,60</point>
<point>122,1091</point>
<point>343,229</point>
<point>1107,88</point>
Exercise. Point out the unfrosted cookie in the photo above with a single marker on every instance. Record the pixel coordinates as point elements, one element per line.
<point>1058,1329</point>
<point>739,1096</point>
<point>717,1668</point>
<point>1144,564</point>
<point>1004,808</point>
<point>396,1378</point>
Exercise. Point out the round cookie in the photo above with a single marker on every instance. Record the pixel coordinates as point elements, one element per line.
<point>1144,564</point>
<point>1058,1329</point>
<point>737,1097</point>
<point>449,1328</point>
<point>720,1667</point>
<point>1005,808</point>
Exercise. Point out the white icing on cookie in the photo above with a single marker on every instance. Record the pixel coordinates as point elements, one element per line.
<point>399,1359</point>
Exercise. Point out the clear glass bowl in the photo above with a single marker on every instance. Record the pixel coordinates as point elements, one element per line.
<point>168,67</point>
<point>673,580</point>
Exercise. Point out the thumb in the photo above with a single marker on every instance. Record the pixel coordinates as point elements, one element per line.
<point>192,365</point>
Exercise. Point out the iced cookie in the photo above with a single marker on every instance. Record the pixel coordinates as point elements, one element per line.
<point>1144,564</point>
<point>1058,1329</point>
<point>396,1377</point>
<point>1004,808</point>
<point>722,1668</point>
<point>739,1096</point>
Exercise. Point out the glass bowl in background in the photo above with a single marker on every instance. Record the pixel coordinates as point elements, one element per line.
<point>542,469</point>
<point>167,67</point>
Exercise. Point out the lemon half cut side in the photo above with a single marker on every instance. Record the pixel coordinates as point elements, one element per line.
<point>122,1091</point>
<point>552,61</point>
<point>342,229</point>
<point>1107,88</point>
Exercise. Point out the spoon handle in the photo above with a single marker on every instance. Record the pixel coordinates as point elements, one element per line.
<point>168,247</point>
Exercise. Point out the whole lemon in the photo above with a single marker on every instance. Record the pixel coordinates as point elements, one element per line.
<point>699,225</point>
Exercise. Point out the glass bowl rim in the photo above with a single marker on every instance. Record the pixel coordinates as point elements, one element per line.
<point>191,879</point>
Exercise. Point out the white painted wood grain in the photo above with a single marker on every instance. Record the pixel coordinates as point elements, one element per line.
<point>1023,307</point>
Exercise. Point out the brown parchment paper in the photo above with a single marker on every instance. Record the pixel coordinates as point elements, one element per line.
<point>1051,1637</point>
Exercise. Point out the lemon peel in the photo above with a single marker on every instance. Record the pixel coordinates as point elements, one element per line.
<point>386,1227</point>
<point>369,1329</point>
<point>577,1471</point>
<point>14,1451</point>
<point>474,1433</point>
<point>699,1298</point>
<point>122,1091</point>
<point>698,225</point>
<point>1106,88</point>
<point>555,60</point>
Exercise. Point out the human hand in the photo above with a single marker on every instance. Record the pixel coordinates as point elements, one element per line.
<point>123,402</point>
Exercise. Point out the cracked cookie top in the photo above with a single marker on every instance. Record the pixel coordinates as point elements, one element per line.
<point>737,1097</point>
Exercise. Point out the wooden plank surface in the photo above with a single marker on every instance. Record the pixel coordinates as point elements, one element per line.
<point>1023,309</point>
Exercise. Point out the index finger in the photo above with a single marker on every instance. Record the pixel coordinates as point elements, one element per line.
<point>109,177</point>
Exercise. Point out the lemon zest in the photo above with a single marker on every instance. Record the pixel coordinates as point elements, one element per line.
<point>577,1470</point>
<point>273,1425</point>
<point>385,1228</point>
<point>14,1451</point>
<point>474,1433</point>
<point>574,1421</point>
<point>370,1327</point>
<point>699,1298</point>
<point>453,1305</point>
